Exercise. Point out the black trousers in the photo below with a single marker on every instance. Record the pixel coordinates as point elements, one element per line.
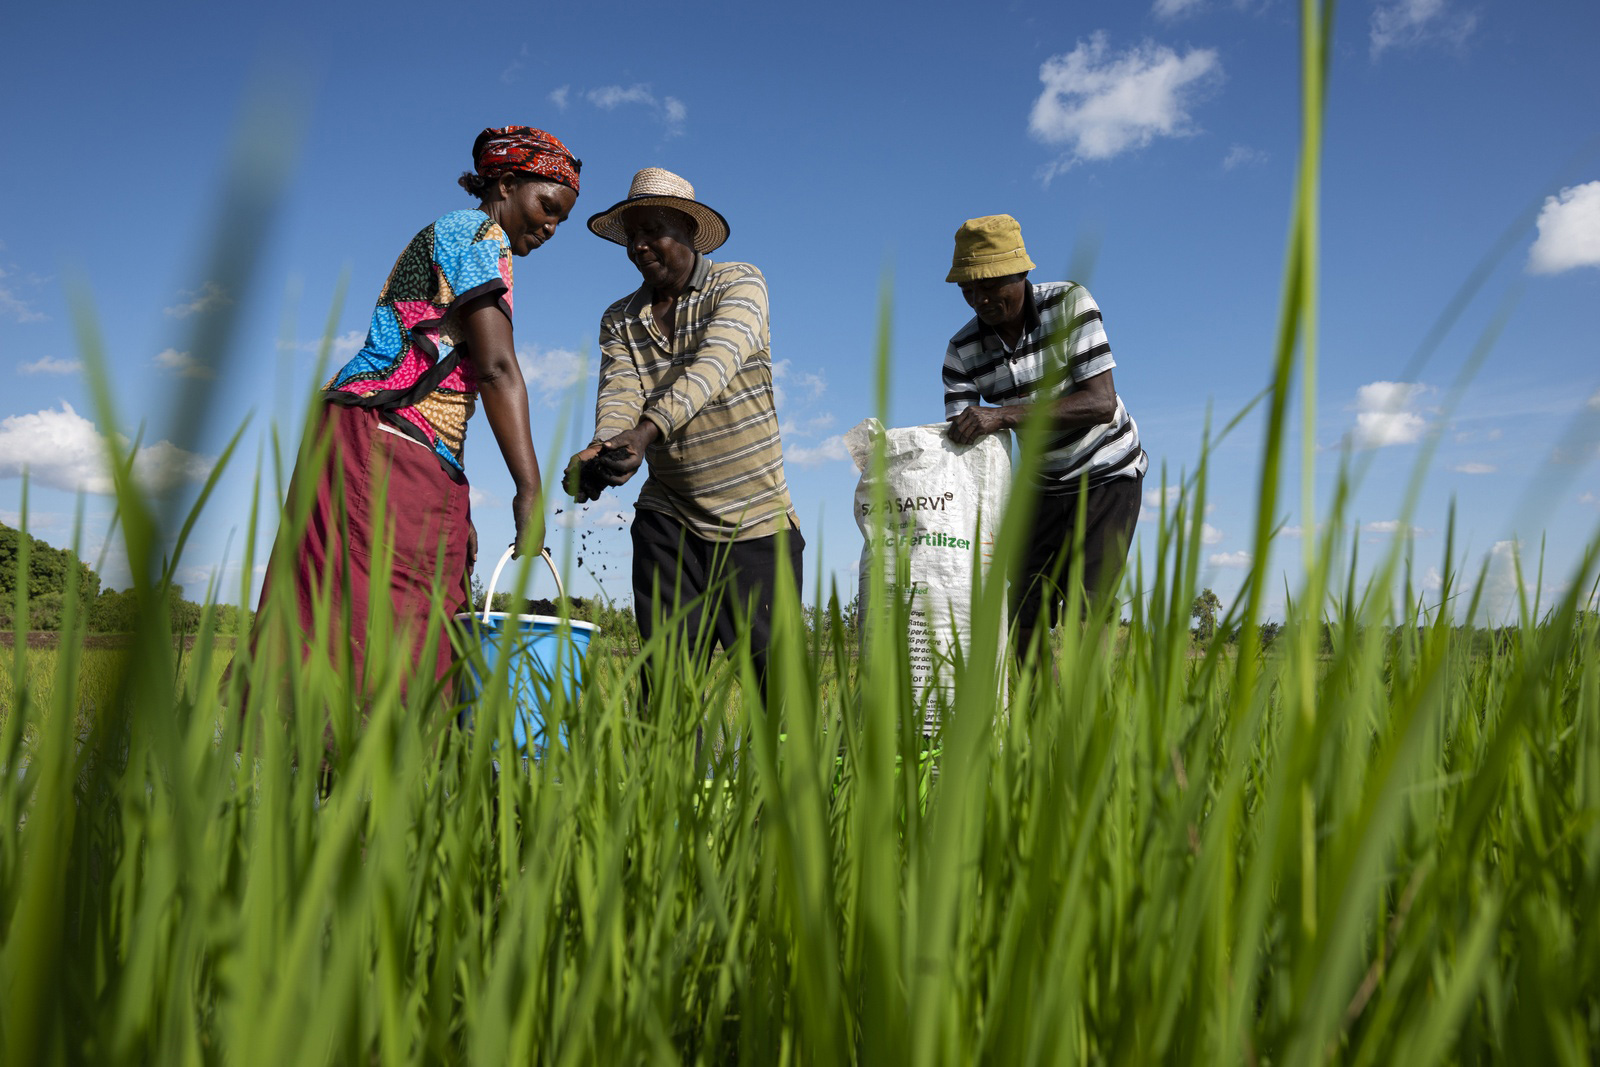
<point>1111,511</point>
<point>725,586</point>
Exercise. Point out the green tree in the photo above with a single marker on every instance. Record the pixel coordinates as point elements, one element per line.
<point>48,572</point>
<point>232,620</point>
<point>1269,633</point>
<point>113,612</point>
<point>1204,612</point>
<point>185,613</point>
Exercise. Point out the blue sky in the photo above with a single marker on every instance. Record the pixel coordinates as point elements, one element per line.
<point>1149,149</point>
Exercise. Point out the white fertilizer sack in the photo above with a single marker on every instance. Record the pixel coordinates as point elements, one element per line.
<point>944,504</point>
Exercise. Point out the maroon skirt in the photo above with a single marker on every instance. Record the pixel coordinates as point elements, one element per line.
<point>423,516</point>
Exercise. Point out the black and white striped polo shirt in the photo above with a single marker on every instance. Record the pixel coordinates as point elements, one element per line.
<point>1062,330</point>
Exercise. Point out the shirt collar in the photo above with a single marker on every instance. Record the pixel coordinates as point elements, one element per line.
<point>701,272</point>
<point>1030,322</point>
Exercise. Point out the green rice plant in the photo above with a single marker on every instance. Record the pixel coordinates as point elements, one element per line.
<point>1374,840</point>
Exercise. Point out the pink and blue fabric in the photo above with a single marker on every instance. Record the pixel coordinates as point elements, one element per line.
<point>412,368</point>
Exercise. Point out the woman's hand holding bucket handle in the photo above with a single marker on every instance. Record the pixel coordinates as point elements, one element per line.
<point>530,529</point>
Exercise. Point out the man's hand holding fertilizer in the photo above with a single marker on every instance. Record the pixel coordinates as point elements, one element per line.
<point>607,464</point>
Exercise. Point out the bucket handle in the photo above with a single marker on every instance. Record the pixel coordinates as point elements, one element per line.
<point>494,579</point>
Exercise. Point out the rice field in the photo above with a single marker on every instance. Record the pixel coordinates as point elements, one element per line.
<point>1374,841</point>
<point>1174,855</point>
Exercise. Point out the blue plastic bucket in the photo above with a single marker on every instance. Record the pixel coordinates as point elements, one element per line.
<point>545,656</point>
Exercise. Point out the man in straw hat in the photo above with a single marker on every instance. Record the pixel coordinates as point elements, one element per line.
<point>686,386</point>
<point>1045,344</point>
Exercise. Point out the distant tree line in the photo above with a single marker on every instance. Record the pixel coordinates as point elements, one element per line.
<point>108,611</point>
<point>819,619</point>
<point>1482,640</point>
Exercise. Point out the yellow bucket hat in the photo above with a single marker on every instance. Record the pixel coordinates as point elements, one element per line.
<point>990,247</point>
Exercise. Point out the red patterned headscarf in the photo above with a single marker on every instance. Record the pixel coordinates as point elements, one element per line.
<point>500,149</point>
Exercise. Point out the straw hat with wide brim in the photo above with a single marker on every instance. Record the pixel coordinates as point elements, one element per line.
<point>654,187</point>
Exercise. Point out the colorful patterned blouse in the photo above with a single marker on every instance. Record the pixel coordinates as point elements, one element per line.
<point>412,368</point>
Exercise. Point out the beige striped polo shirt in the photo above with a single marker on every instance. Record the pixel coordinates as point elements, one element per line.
<point>718,466</point>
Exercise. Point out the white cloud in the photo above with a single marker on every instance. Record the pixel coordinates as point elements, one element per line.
<point>1501,588</point>
<point>1594,401</point>
<point>558,97</point>
<point>482,500</point>
<point>1376,429</point>
<point>1152,497</point>
<point>1295,529</point>
<point>1569,231</point>
<point>1238,560</point>
<point>208,297</point>
<point>1150,510</point>
<point>197,578</point>
<point>63,450</point>
<point>670,110</point>
<point>1588,498</point>
<point>1100,105</point>
<point>1388,396</point>
<point>1405,23</point>
<point>183,364</point>
<point>1209,534</point>
<point>224,578</point>
<point>550,372</point>
<point>1474,468</point>
<point>39,520</point>
<point>1243,156</point>
<point>1388,526</point>
<point>1386,415</point>
<point>806,427</point>
<point>344,346</point>
<point>13,305</point>
<point>808,383</point>
<point>513,71</point>
<point>1169,9</point>
<point>347,344</point>
<point>613,96</point>
<point>827,450</point>
<point>50,365</point>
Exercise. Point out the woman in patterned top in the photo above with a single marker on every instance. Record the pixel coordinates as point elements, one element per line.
<point>395,416</point>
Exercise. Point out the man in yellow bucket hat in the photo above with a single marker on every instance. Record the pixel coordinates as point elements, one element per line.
<point>1045,343</point>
